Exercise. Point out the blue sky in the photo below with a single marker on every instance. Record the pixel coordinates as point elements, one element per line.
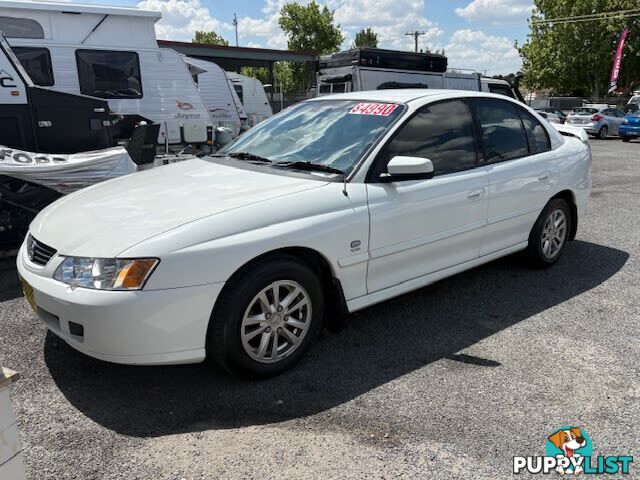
<point>476,34</point>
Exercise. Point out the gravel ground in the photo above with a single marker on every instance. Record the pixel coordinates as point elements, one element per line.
<point>448,382</point>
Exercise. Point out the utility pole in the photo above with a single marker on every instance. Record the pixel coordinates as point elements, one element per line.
<point>235,24</point>
<point>415,34</point>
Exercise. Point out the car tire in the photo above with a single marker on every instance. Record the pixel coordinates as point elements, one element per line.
<point>626,139</point>
<point>603,132</point>
<point>550,234</point>
<point>243,321</point>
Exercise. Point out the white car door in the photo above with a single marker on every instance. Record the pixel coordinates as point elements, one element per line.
<point>517,151</point>
<point>421,226</point>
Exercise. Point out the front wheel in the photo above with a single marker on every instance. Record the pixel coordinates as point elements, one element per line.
<point>625,139</point>
<point>550,233</point>
<point>266,318</point>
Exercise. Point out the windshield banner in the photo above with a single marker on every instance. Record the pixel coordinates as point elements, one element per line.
<point>65,173</point>
<point>617,61</point>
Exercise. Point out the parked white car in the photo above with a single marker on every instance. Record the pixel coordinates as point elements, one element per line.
<point>338,202</point>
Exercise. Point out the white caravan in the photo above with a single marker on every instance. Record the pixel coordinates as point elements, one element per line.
<point>218,95</point>
<point>110,53</point>
<point>253,97</point>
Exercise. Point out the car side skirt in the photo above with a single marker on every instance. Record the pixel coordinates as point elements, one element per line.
<point>416,283</point>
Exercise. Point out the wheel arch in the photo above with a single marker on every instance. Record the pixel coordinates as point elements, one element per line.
<point>335,303</point>
<point>569,197</point>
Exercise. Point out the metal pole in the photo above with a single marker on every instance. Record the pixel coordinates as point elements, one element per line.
<point>235,24</point>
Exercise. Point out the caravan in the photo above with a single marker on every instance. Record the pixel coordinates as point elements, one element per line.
<point>218,95</point>
<point>109,53</point>
<point>253,97</point>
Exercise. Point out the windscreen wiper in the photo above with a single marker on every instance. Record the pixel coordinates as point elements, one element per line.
<point>309,166</point>
<point>247,156</point>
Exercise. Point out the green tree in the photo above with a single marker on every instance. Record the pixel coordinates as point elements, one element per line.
<point>366,38</point>
<point>309,28</point>
<point>209,38</point>
<point>577,57</point>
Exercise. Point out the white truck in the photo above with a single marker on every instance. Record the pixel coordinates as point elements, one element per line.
<point>377,69</point>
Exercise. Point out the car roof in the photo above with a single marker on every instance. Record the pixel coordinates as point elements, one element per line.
<point>406,95</point>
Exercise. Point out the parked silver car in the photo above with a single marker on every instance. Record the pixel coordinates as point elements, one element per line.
<point>597,120</point>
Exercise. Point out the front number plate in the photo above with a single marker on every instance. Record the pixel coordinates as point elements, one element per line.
<point>28,293</point>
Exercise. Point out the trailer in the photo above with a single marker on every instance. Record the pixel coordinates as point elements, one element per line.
<point>253,97</point>
<point>109,53</point>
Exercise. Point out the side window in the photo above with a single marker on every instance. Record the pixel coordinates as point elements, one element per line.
<point>109,74</point>
<point>537,135</point>
<point>619,113</point>
<point>37,62</point>
<point>503,137</point>
<point>500,89</point>
<point>442,132</point>
<point>13,27</point>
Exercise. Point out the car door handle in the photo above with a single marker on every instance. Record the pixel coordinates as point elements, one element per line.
<point>475,194</point>
<point>544,177</point>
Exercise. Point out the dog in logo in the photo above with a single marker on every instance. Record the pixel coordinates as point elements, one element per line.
<point>568,441</point>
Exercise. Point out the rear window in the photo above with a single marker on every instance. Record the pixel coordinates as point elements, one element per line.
<point>585,111</point>
<point>37,62</point>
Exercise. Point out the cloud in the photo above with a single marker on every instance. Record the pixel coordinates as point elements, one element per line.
<point>496,11</point>
<point>181,18</point>
<point>474,49</point>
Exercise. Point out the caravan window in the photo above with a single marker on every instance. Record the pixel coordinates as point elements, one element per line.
<point>501,89</point>
<point>37,62</point>
<point>109,74</point>
<point>20,28</point>
<point>239,90</point>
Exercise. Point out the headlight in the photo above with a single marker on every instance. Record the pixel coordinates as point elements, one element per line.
<point>105,273</point>
<point>625,121</point>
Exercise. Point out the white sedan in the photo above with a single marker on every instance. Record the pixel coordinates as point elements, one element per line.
<point>333,205</point>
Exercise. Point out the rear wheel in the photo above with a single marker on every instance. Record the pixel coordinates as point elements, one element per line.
<point>550,233</point>
<point>603,132</point>
<point>266,318</point>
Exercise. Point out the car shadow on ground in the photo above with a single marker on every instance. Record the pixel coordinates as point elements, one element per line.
<point>379,344</point>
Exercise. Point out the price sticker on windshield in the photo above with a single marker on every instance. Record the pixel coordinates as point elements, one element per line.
<point>377,109</point>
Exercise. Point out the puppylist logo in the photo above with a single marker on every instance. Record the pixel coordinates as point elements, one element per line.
<point>569,450</point>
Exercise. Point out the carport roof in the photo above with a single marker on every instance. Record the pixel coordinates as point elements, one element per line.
<point>241,55</point>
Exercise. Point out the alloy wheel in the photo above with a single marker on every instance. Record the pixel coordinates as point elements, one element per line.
<point>554,233</point>
<point>276,321</point>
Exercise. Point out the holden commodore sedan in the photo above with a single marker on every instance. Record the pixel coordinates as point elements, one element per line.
<point>335,204</point>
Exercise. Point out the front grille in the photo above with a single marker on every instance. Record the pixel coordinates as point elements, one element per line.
<point>38,252</point>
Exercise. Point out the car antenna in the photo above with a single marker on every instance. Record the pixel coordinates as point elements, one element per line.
<point>344,185</point>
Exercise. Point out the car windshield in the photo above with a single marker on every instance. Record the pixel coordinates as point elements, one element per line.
<point>585,111</point>
<point>335,133</point>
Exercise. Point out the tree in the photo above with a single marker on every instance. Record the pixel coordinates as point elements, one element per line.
<point>308,28</point>
<point>210,38</point>
<point>366,38</point>
<point>577,57</point>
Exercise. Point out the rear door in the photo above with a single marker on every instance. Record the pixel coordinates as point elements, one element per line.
<point>421,226</point>
<point>517,151</point>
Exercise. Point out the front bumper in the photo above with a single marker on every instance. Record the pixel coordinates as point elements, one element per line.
<point>139,327</point>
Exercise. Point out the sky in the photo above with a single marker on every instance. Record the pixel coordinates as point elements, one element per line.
<point>476,34</point>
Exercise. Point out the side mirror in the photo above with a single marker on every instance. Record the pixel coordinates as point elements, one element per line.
<point>407,168</point>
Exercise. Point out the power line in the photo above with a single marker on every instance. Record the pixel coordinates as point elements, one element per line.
<point>621,14</point>
<point>415,34</point>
